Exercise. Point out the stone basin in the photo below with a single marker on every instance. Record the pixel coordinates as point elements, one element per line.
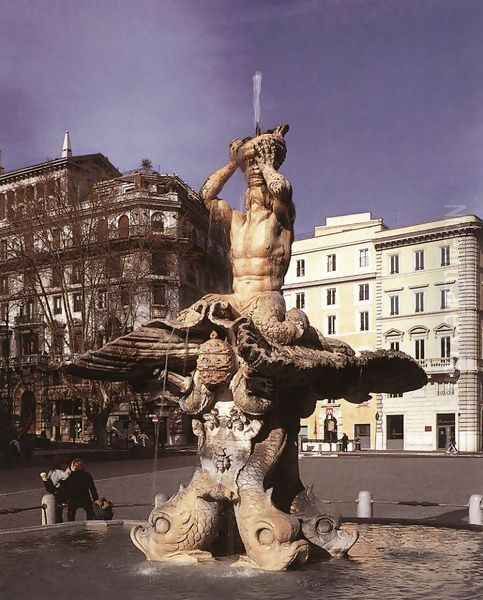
<point>96,560</point>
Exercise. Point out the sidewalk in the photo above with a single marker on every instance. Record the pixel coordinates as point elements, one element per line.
<point>45,457</point>
<point>390,454</point>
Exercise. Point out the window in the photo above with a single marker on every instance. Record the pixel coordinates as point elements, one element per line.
<point>159,295</point>
<point>113,266</point>
<point>3,204</point>
<point>364,292</point>
<point>56,279</point>
<point>55,239</point>
<point>445,346</point>
<point>28,280</point>
<point>123,227</point>
<point>76,273</point>
<point>331,324</point>
<point>101,299</point>
<point>394,305</point>
<point>3,250</point>
<point>300,300</point>
<point>444,298</point>
<point>419,349</point>
<point>364,257</point>
<point>331,263</point>
<point>77,340</point>
<point>364,321</point>
<point>301,267</point>
<point>419,299</point>
<point>3,285</point>
<point>77,302</point>
<point>394,263</point>
<point>28,242</point>
<point>57,305</point>
<point>394,346</point>
<point>76,234</point>
<point>445,388</point>
<point>330,296</point>
<point>102,230</point>
<point>445,257</point>
<point>58,343</point>
<point>419,260</point>
<point>4,312</point>
<point>125,296</point>
<point>157,222</point>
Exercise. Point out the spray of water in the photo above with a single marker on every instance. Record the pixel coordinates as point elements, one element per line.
<point>257,109</point>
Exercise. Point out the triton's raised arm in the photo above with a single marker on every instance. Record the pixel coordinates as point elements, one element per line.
<point>269,157</point>
<point>219,209</point>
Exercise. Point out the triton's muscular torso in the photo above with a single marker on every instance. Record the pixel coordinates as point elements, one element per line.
<point>261,241</point>
<point>261,237</point>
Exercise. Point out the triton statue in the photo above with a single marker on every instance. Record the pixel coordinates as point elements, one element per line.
<point>247,371</point>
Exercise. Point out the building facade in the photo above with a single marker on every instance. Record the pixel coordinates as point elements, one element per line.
<point>428,304</point>
<point>423,297</point>
<point>87,254</point>
<point>332,277</point>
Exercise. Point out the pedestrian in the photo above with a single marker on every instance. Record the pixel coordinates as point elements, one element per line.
<point>80,490</point>
<point>54,483</point>
<point>344,441</point>
<point>452,449</point>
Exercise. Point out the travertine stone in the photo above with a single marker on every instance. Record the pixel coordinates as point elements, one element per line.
<point>247,371</point>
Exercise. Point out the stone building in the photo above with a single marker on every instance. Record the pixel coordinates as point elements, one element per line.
<point>429,305</point>
<point>422,297</point>
<point>332,276</point>
<point>87,254</point>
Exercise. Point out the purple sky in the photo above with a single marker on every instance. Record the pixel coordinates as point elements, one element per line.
<point>384,97</point>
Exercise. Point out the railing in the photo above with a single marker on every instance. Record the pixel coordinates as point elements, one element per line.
<point>31,359</point>
<point>28,319</point>
<point>438,364</point>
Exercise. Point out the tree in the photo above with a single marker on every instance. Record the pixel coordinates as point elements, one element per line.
<point>77,268</point>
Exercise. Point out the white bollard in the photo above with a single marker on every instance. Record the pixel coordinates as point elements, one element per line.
<point>48,509</point>
<point>364,505</point>
<point>159,499</point>
<point>474,510</point>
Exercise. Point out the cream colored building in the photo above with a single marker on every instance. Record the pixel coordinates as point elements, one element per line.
<point>422,295</point>
<point>428,304</point>
<point>332,277</point>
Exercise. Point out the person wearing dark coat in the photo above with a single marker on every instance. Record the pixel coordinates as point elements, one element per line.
<point>80,491</point>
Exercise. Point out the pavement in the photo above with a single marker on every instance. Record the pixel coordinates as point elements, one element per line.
<point>337,479</point>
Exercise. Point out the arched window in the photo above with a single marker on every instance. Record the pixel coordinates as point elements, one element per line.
<point>123,227</point>
<point>101,230</point>
<point>157,221</point>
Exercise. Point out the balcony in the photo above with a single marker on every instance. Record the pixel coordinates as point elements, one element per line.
<point>31,360</point>
<point>440,369</point>
<point>32,318</point>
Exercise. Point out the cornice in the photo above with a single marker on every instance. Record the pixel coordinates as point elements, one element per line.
<point>56,165</point>
<point>466,229</point>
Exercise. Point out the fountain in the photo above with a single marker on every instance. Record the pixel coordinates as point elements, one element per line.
<point>247,370</point>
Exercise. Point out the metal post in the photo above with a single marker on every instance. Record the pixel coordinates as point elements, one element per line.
<point>48,509</point>
<point>364,505</point>
<point>474,510</point>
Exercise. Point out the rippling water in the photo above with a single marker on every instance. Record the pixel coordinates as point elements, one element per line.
<point>389,562</point>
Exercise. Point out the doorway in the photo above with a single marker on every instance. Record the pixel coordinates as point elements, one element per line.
<point>363,432</point>
<point>395,432</point>
<point>446,430</point>
<point>27,412</point>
